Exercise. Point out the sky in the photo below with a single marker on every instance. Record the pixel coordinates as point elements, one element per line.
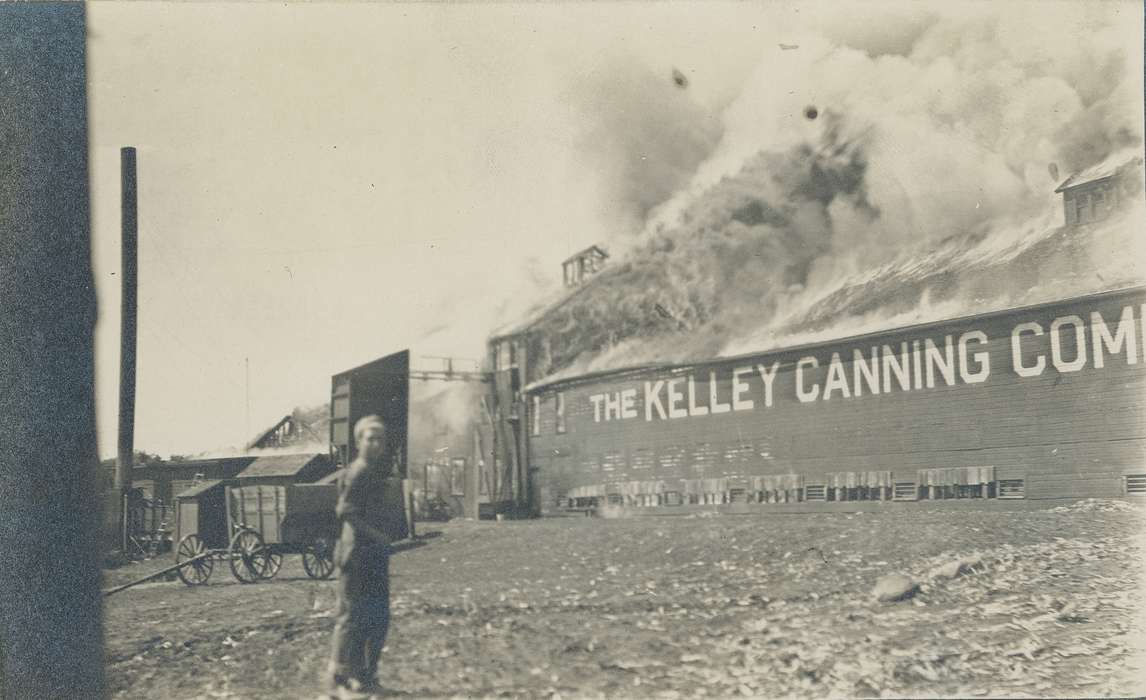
<point>322,184</point>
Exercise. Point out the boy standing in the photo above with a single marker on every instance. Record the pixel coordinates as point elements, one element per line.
<point>365,509</point>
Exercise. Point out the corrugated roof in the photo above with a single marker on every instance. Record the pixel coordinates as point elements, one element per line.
<point>279,465</point>
<point>199,488</point>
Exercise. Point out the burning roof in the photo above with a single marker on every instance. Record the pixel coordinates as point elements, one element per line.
<point>735,277</point>
<point>1108,168</point>
<point>916,189</point>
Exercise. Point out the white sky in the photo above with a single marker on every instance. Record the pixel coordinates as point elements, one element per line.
<point>320,185</point>
<point>327,183</point>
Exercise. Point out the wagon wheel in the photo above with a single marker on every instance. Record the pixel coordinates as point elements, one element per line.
<point>197,572</point>
<point>318,559</point>
<point>274,562</point>
<point>249,557</point>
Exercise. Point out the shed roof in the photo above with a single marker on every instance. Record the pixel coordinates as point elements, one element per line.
<point>279,465</point>
<point>199,488</point>
<point>330,478</point>
<point>1102,171</point>
<point>194,463</point>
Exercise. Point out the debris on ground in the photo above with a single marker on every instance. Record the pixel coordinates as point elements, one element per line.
<point>1016,601</point>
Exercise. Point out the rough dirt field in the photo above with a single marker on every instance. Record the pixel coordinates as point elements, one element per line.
<point>764,605</point>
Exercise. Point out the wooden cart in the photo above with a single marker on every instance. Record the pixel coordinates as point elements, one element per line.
<point>252,527</point>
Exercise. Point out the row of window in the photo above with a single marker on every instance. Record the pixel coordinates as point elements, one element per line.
<point>535,415</point>
<point>900,491</point>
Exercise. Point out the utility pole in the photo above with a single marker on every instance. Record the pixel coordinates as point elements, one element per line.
<point>129,277</point>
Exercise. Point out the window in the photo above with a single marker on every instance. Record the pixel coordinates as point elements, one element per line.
<point>1083,203</point>
<point>641,458</point>
<point>905,491</point>
<point>816,492</point>
<point>535,416</point>
<point>956,482</point>
<point>1135,483</point>
<point>458,476</point>
<point>501,357</point>
<point>1012,488</point>
<point>561,412</point>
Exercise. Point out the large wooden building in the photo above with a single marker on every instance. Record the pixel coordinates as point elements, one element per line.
<point>1038,402</point>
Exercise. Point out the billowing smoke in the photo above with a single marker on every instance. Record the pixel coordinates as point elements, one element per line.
<point>727,262</point>
<point>868,187</point>
<point>443,418</point>
<point>645,135</point>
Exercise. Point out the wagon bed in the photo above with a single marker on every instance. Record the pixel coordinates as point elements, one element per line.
<point>251,527</point>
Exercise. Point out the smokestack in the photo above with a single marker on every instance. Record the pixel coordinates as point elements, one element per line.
<point>128,283</point>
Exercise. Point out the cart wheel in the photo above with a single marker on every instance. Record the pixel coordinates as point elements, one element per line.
<point>274,562</point>
<point>318,559</point>
<point>197,572</point>
<point>248,556</point>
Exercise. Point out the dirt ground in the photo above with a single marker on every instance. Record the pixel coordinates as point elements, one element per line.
<point>766,605</point>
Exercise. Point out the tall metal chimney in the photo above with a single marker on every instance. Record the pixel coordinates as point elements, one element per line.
<point>128,283</point>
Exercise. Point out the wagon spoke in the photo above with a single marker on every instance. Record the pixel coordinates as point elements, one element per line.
<point>249,558</point>
<point>272,562</point>
<point>198,571</point>
<point>318,559</point>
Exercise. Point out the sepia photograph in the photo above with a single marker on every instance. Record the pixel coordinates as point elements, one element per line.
<point>564,350</point>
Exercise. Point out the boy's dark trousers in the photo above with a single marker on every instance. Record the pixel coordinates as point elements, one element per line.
<point>363,618</point>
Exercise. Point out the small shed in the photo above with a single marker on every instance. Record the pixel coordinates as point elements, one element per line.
<point>202,510</point>
<point>283,470</point>
<point>1093,194</point>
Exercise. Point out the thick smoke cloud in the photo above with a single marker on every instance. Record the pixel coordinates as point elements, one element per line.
<point>926,167</point>
<point>644,133</point>
<point>959,132</point>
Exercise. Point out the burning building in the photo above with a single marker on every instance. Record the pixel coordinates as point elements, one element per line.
<point>1038,395</point>
<point>1037,402</point>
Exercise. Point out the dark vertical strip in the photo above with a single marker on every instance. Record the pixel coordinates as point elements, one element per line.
<point>50,628</point>
<point>127,331</point>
